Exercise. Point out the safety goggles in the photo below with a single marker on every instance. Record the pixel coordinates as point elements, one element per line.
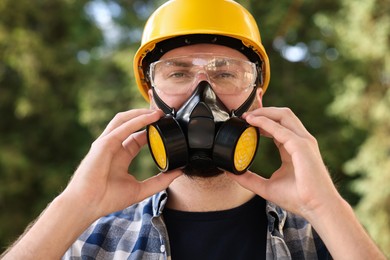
<point>179,75</point>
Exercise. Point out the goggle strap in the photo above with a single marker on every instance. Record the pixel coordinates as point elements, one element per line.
<point>164,46</point>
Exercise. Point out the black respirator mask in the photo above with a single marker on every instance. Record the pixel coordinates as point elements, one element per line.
<point>203,135</point>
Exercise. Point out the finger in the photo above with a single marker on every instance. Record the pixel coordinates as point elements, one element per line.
<point>123,131</point>
<point>265,133</point>
<point>252,182</point>
<point>284,116</point>
<point>123,117</point>
<point>272,128</point>
<point>135,142</point>
<point>113,141</point>
<point>289,143</point>
<point>131,147</point>
<point>157,183</point>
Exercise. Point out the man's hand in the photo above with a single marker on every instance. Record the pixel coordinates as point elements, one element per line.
<point>302,185</point>
<point>100,185</point>
<point>102,180</point>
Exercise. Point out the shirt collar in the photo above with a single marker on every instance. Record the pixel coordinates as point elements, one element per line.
<point>158,202</point>
<point>276,216</point>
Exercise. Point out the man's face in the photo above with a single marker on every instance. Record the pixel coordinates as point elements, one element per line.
<point>238,63</point>
<point>232,101</point>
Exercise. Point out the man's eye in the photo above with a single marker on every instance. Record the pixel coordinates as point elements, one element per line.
<point>225,75</point>
<point>177,75</point>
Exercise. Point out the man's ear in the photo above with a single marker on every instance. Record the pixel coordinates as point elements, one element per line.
<point>259,97</point>
<point>152,105</point>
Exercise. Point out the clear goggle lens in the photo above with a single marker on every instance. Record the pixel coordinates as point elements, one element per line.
<point>178,76</point>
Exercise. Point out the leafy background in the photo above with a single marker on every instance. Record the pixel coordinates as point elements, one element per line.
<point>66,69</point>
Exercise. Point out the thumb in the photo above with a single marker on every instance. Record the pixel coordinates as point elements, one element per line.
<point>158,183</point>
<point>252,182</point>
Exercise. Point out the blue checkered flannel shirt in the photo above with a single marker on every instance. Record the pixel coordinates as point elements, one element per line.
<point>139,232</point>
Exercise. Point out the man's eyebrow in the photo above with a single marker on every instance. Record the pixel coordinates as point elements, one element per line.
<point>220,62</point>
<point>224,62</point>
<point>179,63</point>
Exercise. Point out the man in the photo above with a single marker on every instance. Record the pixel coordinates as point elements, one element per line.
<point>203,56</point>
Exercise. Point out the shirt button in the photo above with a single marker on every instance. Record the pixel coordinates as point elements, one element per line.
<point>162,248</point>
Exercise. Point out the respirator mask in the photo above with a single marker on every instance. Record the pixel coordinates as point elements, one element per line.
<point>202,135</point>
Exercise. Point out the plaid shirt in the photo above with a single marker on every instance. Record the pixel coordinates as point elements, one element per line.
<point>139,232</point>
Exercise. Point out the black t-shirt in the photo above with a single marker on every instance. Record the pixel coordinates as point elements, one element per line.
<point>238,233</point>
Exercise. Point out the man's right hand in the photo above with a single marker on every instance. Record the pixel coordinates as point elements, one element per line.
<point>101,185</point>
<point>102,180</point>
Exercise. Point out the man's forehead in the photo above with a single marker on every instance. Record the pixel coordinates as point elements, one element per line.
<point>200,59</point>
<point>217,50</point>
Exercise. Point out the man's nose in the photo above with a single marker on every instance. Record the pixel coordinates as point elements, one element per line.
<point>199,77</point>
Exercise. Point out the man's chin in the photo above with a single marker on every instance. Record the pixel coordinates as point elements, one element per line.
<point>191,171</point>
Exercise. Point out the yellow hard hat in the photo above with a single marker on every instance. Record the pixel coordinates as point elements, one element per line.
<point>182,22</point>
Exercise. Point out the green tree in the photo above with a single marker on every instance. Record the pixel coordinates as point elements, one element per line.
<point>62,78</point>
<point>66,69</point>
<point>41,138</point>
<point>362,91</point>
<point>302,57</point>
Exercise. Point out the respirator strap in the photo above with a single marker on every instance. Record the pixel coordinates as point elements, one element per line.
<point>246,105</point>
<point>161,104</point>
<point>238,112</point>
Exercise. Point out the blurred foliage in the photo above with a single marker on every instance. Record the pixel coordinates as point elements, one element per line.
<point>41,138</point>
<point>363,98</point>
<point>66,69</point>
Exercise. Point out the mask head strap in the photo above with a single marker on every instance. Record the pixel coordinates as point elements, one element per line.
<point>161,104</point>
<point>238,112</point>
<point>246,105</point>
